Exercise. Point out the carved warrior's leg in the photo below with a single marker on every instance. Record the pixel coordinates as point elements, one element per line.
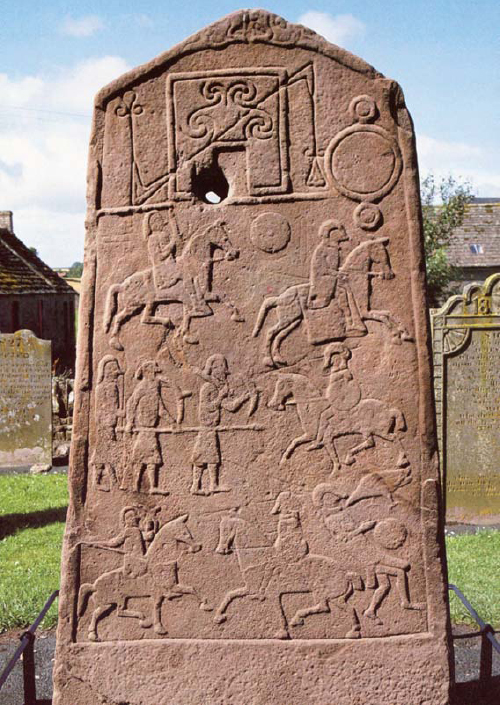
<point>384,585</point>
<point>213,474</point>
<point>324,419</point>
<point>404,590</point>
<point>220,614</point>
<point>196,486</point>
<point>329,443</point>
<point>99,612</point>
<point>152,472</point>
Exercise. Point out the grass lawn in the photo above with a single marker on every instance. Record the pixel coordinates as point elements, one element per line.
<point>32,512</point>
<point>474,567</point>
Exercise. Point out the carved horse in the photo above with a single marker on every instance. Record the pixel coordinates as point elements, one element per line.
<point>287,567</point>
<point>154,576</point>
<point>367,260</point>
<point>195,268</point>
<point>369,418</point>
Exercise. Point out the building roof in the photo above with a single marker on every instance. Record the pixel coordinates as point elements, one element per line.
<point>476,243</point>
<point>22,272</point>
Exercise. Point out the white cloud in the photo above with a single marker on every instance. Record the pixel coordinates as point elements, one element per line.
<point>339,29</point>
<point>82,27</point>
<point>44,133</point>
<point>461,160</point>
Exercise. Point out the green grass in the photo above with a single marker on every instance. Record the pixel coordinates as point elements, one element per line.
<point>474,567</point>
<point>32,511</point>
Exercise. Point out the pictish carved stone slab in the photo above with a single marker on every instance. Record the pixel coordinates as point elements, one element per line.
<point>255,487</point>
<point>25,400</point>
<point>466,342</point>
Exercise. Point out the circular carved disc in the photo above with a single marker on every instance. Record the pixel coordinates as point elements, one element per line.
<point>363,162</point>
<point>270,232</point>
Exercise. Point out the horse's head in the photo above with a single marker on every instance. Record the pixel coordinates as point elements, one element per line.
<point>219,237</point>
<point>178,530</point>
<point>379,254</point>
<point>282,392</point>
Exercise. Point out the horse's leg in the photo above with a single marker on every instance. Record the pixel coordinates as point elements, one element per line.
<point>272,333</point>
<point>220,614</point>
<point>149,317</point>
<point>397,330</point>
<point>300,440</point>
<point>268,303</point>
<point>280,337</point>
<point>320,608</point>
<point>157,625</point>
<point>224,299</point>
<point>180,590</point>
<point>119,319</point>
<point>368,442</point>
<point>283,632</point>
<point>98,613</point>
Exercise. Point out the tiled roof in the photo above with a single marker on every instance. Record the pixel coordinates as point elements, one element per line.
<point>476,243</point>
<point>22,272</point>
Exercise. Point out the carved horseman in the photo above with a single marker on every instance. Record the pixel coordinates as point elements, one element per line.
<point>329,288</point>
<point>162,250</point>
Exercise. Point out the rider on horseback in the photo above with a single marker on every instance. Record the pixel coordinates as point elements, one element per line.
<point>162,255</point>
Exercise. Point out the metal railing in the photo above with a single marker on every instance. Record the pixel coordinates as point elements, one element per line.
<point>27,650</point>
<point>487,634</point>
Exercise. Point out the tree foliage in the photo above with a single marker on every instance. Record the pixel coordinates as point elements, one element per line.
<point>76,270</point>
<point>444,202</point>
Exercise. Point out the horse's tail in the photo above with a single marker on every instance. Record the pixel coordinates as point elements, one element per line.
<point>268,303</point>
<point>86,590</point>
<point>111,305</point>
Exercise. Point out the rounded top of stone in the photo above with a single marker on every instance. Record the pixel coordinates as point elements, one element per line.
<point>249,26</point>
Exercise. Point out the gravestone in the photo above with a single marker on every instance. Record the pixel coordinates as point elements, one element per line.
<point>466,343</point>
<point>255,485</point>
<point>25,400</point>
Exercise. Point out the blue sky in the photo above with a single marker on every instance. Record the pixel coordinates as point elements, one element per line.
<point>55,55</point>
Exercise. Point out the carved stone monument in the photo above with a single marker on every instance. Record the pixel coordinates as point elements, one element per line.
<point>25,400</point>
<point>255,486</point>
<point>466,342</point>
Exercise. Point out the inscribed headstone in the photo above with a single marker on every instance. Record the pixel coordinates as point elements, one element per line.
<point>25,400</point>
<point>254,469</point>
<point>466,342</point>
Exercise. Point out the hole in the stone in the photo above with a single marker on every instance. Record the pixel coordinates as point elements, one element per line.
<point>210,185</point>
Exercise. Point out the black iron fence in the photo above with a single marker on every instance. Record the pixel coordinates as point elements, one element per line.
<point>27,649</point>
<point>487,634</point>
